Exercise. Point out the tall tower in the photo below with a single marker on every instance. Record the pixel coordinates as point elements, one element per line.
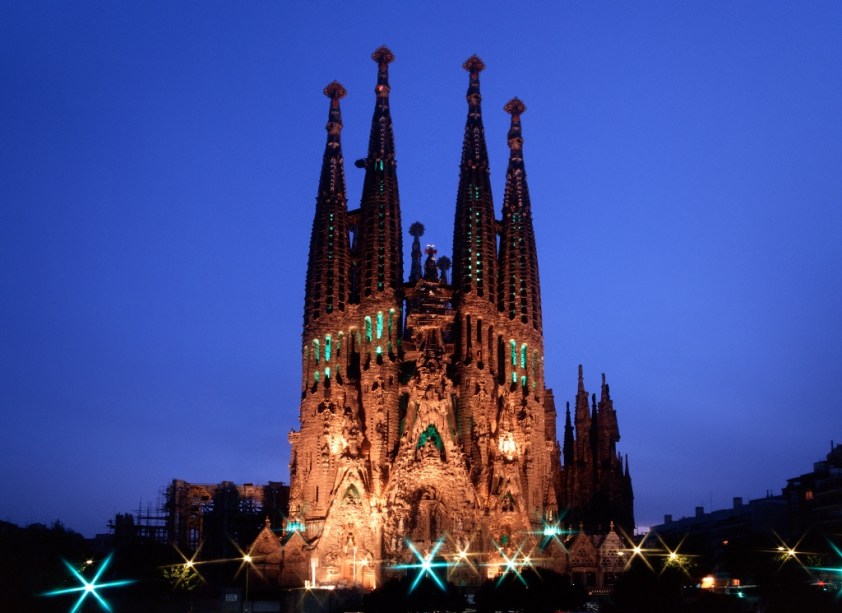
<point>475,287</point>
<point>381,252</point>
<point>519,303</point>
<point>325,314</point>
<point>381,283</point>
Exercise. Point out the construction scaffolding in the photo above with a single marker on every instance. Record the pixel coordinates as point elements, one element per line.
<point>193,515</point>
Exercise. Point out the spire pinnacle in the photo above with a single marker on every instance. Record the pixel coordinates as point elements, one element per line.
<point>515,107</point>
<point>383,56</point>
<point>475,231</point>
<point>327,268</point>
<point>381,251</point>
<point>335,91</point>
<point>606,394</point>
<point>474,66</point>
<point>581,380</point>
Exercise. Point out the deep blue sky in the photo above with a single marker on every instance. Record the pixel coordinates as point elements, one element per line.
<point>158,172</point>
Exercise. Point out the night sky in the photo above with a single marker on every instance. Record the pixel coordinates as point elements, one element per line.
<point>158,171</point>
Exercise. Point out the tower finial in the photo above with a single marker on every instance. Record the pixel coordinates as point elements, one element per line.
<point>383,56</point>
<point>335,91</point>
<point>515,107</point>
<point>474,65</point>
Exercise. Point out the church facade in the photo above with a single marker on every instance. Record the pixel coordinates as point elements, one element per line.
<point>426,428</point>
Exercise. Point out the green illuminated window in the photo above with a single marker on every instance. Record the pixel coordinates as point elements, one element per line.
<point>523,354</point>
<point>327,347</point>
<point>513,348</point>
<point>367,329</point>
<point>379,324</point>
<point>316,350</point>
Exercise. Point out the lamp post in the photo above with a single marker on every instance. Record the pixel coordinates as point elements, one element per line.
<point>188,568</point>
<point>247,561</point>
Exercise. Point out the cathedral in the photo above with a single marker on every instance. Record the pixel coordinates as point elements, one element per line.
<point>427,431</point>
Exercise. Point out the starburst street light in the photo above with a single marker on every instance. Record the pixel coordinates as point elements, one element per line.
<point>512,564</point>
<point>786,553</point>
<point>675,559</point>
<point>89,587</point>
<point>425,564</point>
<point>638,550</point>
<point>185,573</point>
<point>462,559</point>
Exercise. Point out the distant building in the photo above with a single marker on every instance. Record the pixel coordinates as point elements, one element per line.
<point>815,498</point>
<point>812,501</point>
<point>426,428</point>
<point>760,516</point>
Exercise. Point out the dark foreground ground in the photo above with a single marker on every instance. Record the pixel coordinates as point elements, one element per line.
<point>38,561</point>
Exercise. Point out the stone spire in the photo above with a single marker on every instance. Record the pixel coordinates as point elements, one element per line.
<point>474,233</point>
<point>519,294</point>
<point>582,421</point>
<point>609,431</point>
<point>327,284</point>
<point>416,231</point>
<point>569,441</point>
<point>381,250</point>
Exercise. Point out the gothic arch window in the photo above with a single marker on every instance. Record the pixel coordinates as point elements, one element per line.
<point>351,496</point>
<point>430,434</point>
<point>507,505</point>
